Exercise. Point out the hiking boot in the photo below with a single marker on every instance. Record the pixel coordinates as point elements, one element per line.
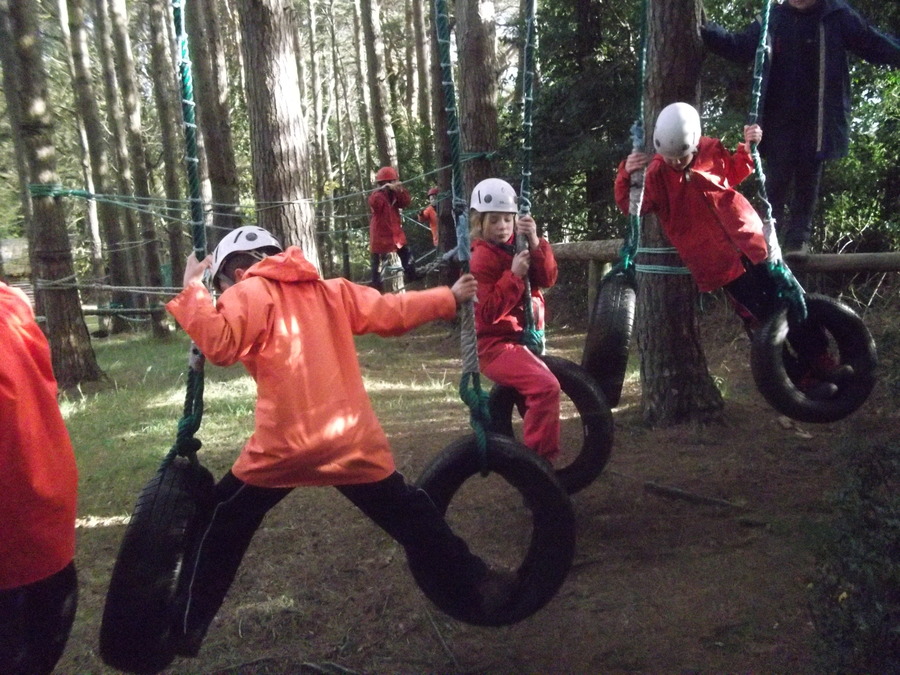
<point>497,590</point>
<point>819,390</point>
<point>826,367</point>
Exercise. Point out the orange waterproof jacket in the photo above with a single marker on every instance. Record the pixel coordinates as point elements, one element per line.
<point>428,216</point>
<point>710,223</point>
<point>386,233</point>
<point>314,423</point>
<point>38,476</point>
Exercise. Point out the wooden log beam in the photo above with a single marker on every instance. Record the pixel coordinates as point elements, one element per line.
<point>607,250</point>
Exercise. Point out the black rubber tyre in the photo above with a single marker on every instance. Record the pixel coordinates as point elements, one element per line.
<point>596,420</point>
<point>608,338</point>
<point>552,547</point>
<point>769,354</point>
<point>136,630</point>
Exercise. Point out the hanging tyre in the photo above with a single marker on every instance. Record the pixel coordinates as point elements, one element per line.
<point>608,338</point>
<point>771,360</point>
<point>596,420</point>
<point>136,630</point>
<point>552,547</point>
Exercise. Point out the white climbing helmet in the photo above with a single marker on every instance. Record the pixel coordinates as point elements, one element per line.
<point>242,239</point>
<point>493,194</point>
<point>677,131</point>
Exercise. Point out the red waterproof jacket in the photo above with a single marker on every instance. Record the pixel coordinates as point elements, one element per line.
<point>314,423</point>
<point>38,475</point>
<point>385,226</point>
<point>499,310</point>
<point>710,223</point>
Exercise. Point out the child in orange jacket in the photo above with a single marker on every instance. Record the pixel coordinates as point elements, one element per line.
<point>314,423</point>
<point>38,494</point>
<point>690,184</point>
<point>500,309</point>
<point>428,216</point>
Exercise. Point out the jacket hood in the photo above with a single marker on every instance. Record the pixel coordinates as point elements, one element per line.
<point>289,266</point>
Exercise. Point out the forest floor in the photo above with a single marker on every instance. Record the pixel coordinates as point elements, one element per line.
<point>659,584</point>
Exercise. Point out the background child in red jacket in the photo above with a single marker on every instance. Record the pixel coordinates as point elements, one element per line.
<point>386,233</point>
<point>38,492</point>
<point>428,216</point>
<point>314,423</point>
<point>690,185</point>
<point>500,307</point>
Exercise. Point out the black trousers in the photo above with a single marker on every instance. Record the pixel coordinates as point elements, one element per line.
<point>35,622</point>
<point>755,299</point>
<point>404,511</point>
<point>792,184</point>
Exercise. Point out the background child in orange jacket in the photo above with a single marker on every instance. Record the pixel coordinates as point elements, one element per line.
<point>38,492</point>
<point>428,216</point>
<point>314,423</point>
<point>500,309</point>
<point>690,184</point>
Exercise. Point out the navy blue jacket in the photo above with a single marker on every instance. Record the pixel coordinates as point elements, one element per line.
<point>841,30</point>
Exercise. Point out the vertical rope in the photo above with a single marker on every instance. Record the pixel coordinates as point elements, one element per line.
<point>532,337</point>
<point>470,390</point>
<point>185,443</point>
<point>787,286</point>
<point>636,192</point>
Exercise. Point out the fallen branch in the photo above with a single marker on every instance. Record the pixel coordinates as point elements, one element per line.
<point>678,493</point>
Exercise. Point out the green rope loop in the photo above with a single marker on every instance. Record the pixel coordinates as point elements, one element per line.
<point>788,290</point>
<point>476,398</point>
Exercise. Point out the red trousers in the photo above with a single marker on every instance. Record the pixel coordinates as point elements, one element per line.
<point>513,365</point>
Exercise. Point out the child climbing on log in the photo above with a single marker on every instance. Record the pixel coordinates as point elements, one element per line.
<point>500,307</point>
<point>314,423</point>
<point>690,185</point>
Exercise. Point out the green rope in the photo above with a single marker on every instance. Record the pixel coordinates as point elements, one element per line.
<point>532,336</point>
<point>470,390</point>
<point>629,249</point>
<point>185,444</point>
<point>788,288</point>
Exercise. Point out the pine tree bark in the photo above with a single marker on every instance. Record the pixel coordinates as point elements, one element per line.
<point>675,383</point>
<point>423,84</point>
<point>166,97</point>
<point>131,103</point>
<point>278,135</point>
<point>479,127</point>
<point>385,141</point>
<point>212,92</point>
<point>73,357</point>
<point>117,272</point>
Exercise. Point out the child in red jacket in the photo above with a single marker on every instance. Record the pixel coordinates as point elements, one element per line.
<point>386,233</point>
<point>500,307</point>
<point>690,185</point>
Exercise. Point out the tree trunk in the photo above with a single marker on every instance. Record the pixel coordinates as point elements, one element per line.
<point>675,382</point>
<point>167,97</point>
<point>73,357</point>
<point>365,103</point>
<point>92,229</point>
<point>9,59</point>
<point>213,112</point>
<point>423,85</point>
<point>114,116</point>
<point>478,123</point>
<point>385,142</point>
<point>131,103</point>
<point>117,272</point>
<point>278,136</point>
